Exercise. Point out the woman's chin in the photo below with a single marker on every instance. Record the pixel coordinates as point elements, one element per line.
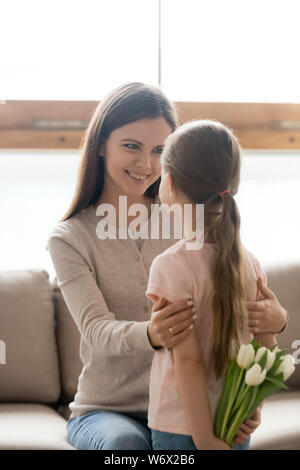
<point>134,192</point>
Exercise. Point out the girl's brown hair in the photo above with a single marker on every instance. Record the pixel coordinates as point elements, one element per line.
<point>125,104</point>
<point>204,159</point>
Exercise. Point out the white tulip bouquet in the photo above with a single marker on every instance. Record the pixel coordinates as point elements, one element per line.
<point>254,374</point>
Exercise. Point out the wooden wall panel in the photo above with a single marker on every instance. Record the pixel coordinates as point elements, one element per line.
<point>61,124</point>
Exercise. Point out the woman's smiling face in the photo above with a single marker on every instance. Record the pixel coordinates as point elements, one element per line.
<point>135,150</point>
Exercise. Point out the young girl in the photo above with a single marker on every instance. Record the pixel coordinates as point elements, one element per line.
<point>201,165</point>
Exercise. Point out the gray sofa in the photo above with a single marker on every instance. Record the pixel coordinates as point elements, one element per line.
<point>40,364</point>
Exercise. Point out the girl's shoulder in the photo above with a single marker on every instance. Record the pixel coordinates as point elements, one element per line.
<point>255,267</point>
<point>174,248</point>
<point>191,258</point>
<point>170,260</point>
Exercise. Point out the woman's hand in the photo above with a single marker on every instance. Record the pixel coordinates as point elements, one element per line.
<point>267,315</point>
<point>159,326</point>
<point>249,426</point>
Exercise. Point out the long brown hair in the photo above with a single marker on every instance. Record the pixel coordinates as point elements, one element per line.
<point>125,104</point>
<point>204,159</point>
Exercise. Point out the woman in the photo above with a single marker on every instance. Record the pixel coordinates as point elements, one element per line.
<point>103,280</point>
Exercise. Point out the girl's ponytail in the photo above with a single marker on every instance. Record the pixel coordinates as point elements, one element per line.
<point>229,311</point>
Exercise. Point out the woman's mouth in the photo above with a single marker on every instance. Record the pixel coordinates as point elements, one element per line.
<point>136,176</point>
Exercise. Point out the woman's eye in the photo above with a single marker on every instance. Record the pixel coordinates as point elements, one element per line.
<point>131,146</point>
<point>158,150</point>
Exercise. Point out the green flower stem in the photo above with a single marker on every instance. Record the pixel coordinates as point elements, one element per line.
<point>240,399</point>
<point>232,397</point>
<point>223,401</point>
<point>242,415</point>
<point>239,380</point>
<point>235,425</point>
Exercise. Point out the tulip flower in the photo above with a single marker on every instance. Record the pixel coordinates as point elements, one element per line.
<point>252,376</point>
<point>260,353</point>
<point>255,375</point>
<point>245,356</point>
<point>287,366</point>
<point>271,356</point>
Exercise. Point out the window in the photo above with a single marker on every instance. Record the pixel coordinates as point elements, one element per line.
<point>231,50</point>
<point>76,49</point>
<point>36,188</point>
<point>268,200</point>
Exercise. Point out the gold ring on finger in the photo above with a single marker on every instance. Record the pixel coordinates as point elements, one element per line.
<point>171,331</point>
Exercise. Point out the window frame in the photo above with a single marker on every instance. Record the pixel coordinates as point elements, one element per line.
<point>23,124</point>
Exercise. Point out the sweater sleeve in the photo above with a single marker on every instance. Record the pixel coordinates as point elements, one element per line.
<point>96,324</point>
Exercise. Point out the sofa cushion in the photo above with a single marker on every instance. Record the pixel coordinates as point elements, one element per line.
<point>280,423</point>
<point>284,280</point>
<point>32,427</point>
<point>31,369</point>
<point>68,344</point>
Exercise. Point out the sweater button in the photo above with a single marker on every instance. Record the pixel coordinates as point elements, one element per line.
<point>137,257</point>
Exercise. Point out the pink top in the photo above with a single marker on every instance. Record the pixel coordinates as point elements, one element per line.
<point>180,273</point>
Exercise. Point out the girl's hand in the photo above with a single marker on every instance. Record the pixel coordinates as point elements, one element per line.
<point>159,326</point>
<point>249,426</point>
<point>267,315</point>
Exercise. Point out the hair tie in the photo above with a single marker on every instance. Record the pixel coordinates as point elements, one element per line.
<point>224,192</point>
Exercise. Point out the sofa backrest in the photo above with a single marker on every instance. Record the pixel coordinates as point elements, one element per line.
<point>30,371</point>
<point>285,282</point>
<point>68,346</point>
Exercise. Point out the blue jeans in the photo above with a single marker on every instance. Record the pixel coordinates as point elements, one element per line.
<point>109,430</point>
<point>170,441</point>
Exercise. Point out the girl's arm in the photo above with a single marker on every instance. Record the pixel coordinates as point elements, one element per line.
<point>191,385</point>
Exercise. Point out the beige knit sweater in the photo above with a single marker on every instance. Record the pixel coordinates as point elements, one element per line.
<point>103,283</point>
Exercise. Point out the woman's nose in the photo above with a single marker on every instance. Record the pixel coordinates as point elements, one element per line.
<point>144,162</point>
